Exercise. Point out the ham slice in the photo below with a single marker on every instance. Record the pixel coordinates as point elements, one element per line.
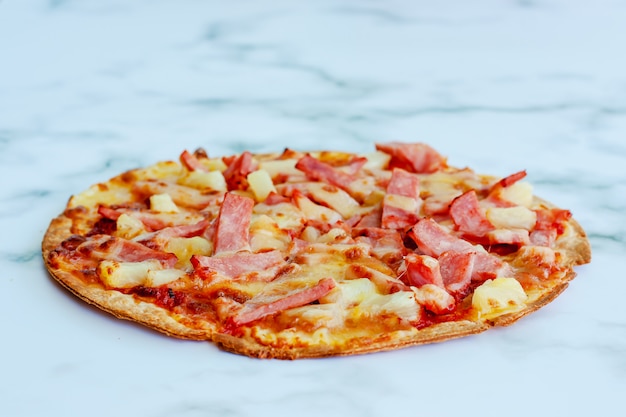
<point>317,170</point>
<point>402,202</point>
<point>161,237</point>
<point>191,162</point>
<point>261,266</point>
<point>413,157</point>
<point>422,270</point>
<point>232,231</point>
<point>456,271</point>
<point>253,310</point>
<point>386,244</point>
<point>468,216</point>
<point>433,240</point>
<point>123,250</point>
<point>238,170</point>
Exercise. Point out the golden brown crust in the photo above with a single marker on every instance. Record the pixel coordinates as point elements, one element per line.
<point>573,246</point>
<point>432,334</point>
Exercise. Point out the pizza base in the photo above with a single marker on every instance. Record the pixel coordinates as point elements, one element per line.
<point>575,249</point>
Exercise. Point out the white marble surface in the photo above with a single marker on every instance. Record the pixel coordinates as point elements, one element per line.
<point>91,88</point>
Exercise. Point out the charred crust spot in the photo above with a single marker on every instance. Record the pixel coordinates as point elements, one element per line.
<point>103,226</point>
<point>233,294</point>
<point>354,253</point>
<point>201,153</point>
<point>75,212</point>
<point>128,177</point>
<point>72,242</point>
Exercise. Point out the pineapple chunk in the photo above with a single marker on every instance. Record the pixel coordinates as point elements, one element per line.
<point>512,217</point>
<point>281,167</point>
<point>129,227</point>
<point>163,203</point>
<point>335,235</point>
<point>265,234</point>
<point>158,277</point>
<point>286,215</point>
<point>315,211</point>
<point>335,198</point>
<point>376,160</point>
<point>499,296</point>
<point>261,184</point>
<point>350,293</point>
<point>401,303</point>
<point>520,193</point>
<point>205,181</point>
<point>214,164</point>
<point>126,274</point>
<point>185,247</point>
<point>310,234</point>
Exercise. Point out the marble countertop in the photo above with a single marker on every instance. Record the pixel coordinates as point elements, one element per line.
<point>91,88</point>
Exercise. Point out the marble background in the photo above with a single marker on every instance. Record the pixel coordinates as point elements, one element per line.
<point>91,88</point>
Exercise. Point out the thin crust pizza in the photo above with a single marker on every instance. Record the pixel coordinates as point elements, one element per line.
<point>311,254</point>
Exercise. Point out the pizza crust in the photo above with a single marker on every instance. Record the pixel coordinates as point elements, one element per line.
<point>574,248</point>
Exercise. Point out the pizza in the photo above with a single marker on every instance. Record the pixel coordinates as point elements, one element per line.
<point>300,254</point>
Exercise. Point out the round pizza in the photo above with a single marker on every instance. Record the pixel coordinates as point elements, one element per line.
<point>309,254</point>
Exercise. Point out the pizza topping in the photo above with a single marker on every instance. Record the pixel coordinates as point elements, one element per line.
<point>118,249</point>
<point>469,216</point>
<point>256,266</point>
<point>126,274</point>
<point>457,270</point>
<point>261,306</point>
<point>422,270</point>
<point>163,203</point>
<point>317,170</point>
<point>413,157</point>
<point>434,299</point>
<point>433,240</point>
<point>191,162</point>
<point>238,169</point>
<point>261,184</point>
<point>233,224</point>
<point>499,296</point>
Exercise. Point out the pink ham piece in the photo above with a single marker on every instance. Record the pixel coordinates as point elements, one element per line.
<point>191,162</point>
<point>456,271</point>
<point>123,250</point>
<point>487,266</point>
<point>433,240</point>
<point>386,244</point>
<point>317,170</point>
<point>159,238</point>
<point>468,216</point>
<point>152,221</point>
<point>402,202</point>
<point>422,270</point>
<point>233,224</point>
<point>252,311</point>
<point>238,169</point>
<point>262,266</point>
<point>413,157</point>
<point>550,223</point>
<point>509,180</point>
